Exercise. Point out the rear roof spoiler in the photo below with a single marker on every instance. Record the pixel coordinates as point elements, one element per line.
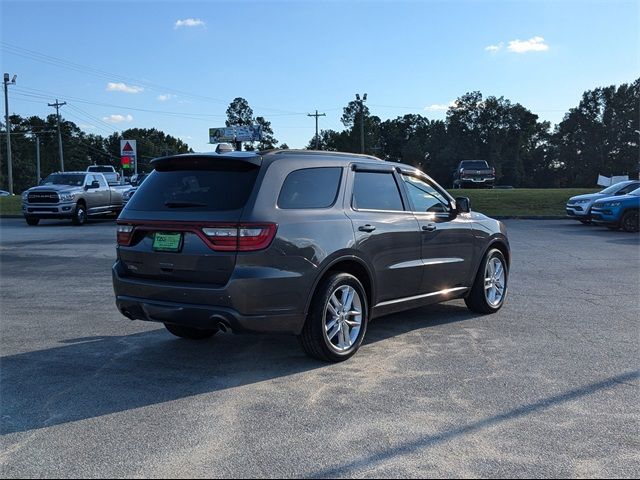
<point>204,158</point>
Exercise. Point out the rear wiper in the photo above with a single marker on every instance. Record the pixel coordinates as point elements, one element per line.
<point>182,204</point>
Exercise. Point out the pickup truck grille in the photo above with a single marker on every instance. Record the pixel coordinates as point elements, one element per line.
<point>43,197</point>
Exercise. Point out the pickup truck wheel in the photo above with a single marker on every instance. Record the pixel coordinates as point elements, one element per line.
<point>79,214</point>
<point>629,222</point>
<point>32,220</point>
<point>489,288</point>
<point>190,333</point>
<point>337,319</point>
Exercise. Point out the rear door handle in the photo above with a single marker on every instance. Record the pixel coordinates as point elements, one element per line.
<point>430,227</point>
<point>366,228</point>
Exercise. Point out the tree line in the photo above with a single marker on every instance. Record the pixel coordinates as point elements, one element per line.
<point>599,136</point>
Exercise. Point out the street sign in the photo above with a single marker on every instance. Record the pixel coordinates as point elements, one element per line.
<point>128,154</point>
<point>238,133</point>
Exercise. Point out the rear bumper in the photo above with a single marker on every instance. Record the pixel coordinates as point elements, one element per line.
<point>140,299</point>
<point>206,316</point>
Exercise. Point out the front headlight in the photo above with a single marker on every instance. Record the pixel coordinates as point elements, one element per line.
<point>67,197</point>
<point>25,195</point>
<point>580,201</point>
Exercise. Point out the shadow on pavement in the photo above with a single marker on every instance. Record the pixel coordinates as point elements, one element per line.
<point>407,448</point>
<point>93,376</point>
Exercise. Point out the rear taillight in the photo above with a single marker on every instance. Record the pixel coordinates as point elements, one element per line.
<point>242,237</point>
<point>125,234</point>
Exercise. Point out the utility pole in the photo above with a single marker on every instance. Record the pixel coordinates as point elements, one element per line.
<point>8,127</point>
<point>361,104</point>
<point>57,106</point>
<point>317,115</point>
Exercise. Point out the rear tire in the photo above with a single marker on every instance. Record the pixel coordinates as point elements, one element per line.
<point>189,332</point>
<point>33,221</point>
<point>489,289</point>
<point>336,338</point>
<point>79,214</point>
<point>629,222</point>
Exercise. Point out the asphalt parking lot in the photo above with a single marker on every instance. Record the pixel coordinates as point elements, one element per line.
<point>548,387</point>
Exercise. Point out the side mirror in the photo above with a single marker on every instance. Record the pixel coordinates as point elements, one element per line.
<point>463,205</point>
<point>94,184</point>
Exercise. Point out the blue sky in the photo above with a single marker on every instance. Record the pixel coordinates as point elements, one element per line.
<point>177,65</point>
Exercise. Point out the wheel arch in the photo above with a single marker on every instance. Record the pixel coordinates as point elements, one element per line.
<point>351,264</point>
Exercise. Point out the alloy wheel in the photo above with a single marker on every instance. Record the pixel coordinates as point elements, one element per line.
<point>494,282</point>
<point>343,318</point>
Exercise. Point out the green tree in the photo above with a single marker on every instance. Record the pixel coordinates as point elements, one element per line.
<point>239,113</point>
<point>268,141</point>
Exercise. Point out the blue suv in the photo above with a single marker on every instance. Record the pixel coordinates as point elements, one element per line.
<point>618,212</point>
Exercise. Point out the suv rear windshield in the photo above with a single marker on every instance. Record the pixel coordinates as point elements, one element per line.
<point>476,164</point>
<point>101,169</point>
<point>211,189</point>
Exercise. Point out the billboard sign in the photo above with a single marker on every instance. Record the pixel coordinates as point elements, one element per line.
<point>222,134</point>
<point>239,133</point>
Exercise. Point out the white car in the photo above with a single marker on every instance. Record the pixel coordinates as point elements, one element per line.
<point>4,193</point>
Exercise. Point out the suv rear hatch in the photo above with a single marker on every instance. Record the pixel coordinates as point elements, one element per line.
<point>183,223</point>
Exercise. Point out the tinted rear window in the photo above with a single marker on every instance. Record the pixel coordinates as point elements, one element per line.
<point>376,191</point>
<point>101,169</point>
<point>195,190</point>
<point>477,164</point>
<point>310,188</point>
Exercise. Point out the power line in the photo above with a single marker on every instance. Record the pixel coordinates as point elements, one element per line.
<point>62,63</point>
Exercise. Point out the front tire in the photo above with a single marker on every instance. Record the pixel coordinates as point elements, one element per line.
<point>79,215</point>
<point>337,319</point>
<point>189,332</point>
<point>629,222</point>
<point>489,289</point>
<point>33,221</point>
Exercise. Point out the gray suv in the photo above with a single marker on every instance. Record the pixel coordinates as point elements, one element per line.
<point>314,244</point>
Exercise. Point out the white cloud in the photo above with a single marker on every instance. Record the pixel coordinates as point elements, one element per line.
<point>535,44</point>
<point>189,22</point>
<point>494,48</point>
<point>117,118</point>
<point>123,87</point>
<point>440,107</point>
<point>86,126</point>
<point>165,97</point>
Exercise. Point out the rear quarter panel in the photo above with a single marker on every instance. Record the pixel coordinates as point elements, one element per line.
<point>306,241</point>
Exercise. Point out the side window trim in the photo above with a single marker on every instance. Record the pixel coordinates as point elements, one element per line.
<point>432,185</point>
<point>401,193</point>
